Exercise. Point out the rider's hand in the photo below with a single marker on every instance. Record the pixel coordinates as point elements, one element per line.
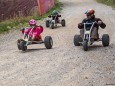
<point>80,25</point>
<point>49,16</point>
<point>99,22</point>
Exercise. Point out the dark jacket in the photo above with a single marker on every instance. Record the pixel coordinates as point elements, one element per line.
<point>86,20</point>
<point>53,16</point>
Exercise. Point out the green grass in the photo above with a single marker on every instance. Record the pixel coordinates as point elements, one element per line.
<point>107,2</point>
<point>7,25</point>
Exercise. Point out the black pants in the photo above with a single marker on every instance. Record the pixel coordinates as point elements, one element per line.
<point>94,33</point>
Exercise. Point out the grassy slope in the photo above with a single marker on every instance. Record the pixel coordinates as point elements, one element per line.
<point>5,26</point>
<point>108,2</point>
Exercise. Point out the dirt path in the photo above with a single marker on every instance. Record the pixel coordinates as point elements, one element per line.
<point>65,64</point>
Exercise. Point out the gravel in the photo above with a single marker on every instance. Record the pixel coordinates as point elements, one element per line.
<point>65,64</point>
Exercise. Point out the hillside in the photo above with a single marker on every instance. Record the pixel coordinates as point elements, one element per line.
<point>13,8</point>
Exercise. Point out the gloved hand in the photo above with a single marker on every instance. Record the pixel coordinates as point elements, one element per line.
<point>49,16</point>
<point>80,25</point>
<point>99,22</point>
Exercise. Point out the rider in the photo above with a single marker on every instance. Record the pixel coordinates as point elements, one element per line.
<point>91,18</point>
<point>55,14</point>
<point>35,33</point>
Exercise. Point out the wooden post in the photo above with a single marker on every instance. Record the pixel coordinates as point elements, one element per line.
<point>53,2</point>
<point>40,7</point>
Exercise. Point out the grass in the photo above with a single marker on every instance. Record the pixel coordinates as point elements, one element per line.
<point>7,25</point>
<point>107,2</point>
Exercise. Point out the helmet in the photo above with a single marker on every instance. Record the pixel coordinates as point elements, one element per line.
<point>32,22</point>
<point>54,12</point>
<point>90,12</point>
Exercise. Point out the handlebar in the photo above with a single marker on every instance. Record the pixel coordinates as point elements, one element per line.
<point>91,23</point>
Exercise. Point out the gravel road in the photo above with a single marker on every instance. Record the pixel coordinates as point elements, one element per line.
<point>65,64</point>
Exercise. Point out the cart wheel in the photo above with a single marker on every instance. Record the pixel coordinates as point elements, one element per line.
<point>18,44</point>
<point>105,40</point>
<point>77,39</point>
<point>85,45</point>
<point>52,25</point>
<point>63,22</point>
<point>23,45</point>
<point>47,23</point>
<point>48,42</point>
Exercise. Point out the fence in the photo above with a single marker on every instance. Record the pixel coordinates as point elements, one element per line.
<point>22,8</point>
<point>12,8</point>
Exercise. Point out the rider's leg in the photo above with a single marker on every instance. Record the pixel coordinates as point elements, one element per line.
<point>82,33</point>
<point>94,33</point>
<point>39,38</point>
<point>57,19</point>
